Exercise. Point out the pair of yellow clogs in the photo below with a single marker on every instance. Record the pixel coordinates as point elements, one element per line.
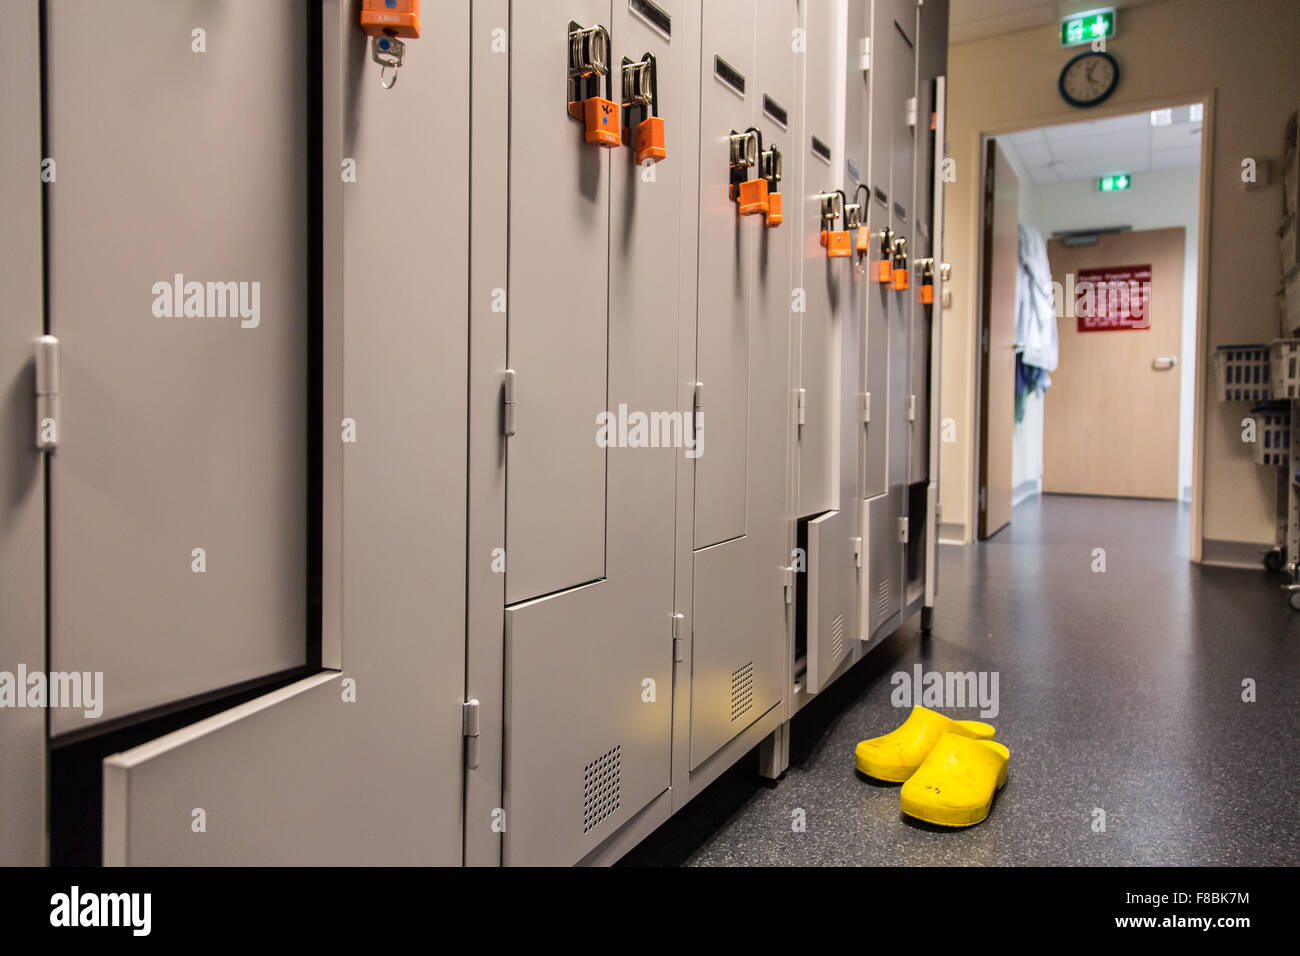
<point>949,769</point>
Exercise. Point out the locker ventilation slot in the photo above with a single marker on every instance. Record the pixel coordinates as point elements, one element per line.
<point>729,74</point>
<point>653,14</point>
<point>837,636</point>
<point>775,110</point>
<point>821,149</point>
<point>600,787</point>
<point>742,691</point>
<point>882,598</point>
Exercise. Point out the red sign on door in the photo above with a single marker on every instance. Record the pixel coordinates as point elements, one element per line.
<point>1113,298</point>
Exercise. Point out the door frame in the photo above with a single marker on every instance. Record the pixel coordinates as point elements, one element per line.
<point>1061,118</point>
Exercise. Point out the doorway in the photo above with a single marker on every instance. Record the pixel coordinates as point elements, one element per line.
<point>1088,311</point>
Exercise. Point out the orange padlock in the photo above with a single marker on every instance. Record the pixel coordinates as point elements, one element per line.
<point>926,292</point>
<point>902,274</point>
<point>641,97</point>
<point>837,243</point>
<point>885,267</point>
<point>394,18</point>
<point>751,195</point>
<point>774,216</point>
<point>863,241</point>
<point>588,62</point>
<point>771,168</point>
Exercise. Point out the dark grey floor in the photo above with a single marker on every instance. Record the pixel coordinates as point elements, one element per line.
<point>1119,691</point>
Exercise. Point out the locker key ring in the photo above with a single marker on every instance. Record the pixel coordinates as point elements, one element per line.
<point>389,53</point>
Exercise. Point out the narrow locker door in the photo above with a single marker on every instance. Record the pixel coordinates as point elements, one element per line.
<point>739,621</point>
<point>726,261</point>
<point>177,227</point>
<point>824,280</point>
<point>589,677</point>
<point>557,301</point>
<point>363,765</point>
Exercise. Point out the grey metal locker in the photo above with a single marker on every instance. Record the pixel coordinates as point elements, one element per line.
<point>742,536</point>
<point>177,228</point>
<point>361,763</point>
<point>832,594</point>
<point>824,280</point>
<point>589,682</point>
<point>557,306</point>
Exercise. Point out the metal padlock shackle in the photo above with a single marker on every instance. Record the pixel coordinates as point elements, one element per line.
<point>775,166</point>
<point>743,160</point>
<point>641,97</point>
<point>589,53</point>
<point>833,211</point>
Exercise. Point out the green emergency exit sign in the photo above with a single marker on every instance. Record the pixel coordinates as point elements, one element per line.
<point>1087,27</point>
<point>1113,184</point>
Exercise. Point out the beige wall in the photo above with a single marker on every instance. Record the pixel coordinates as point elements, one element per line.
<point>1245,54</point>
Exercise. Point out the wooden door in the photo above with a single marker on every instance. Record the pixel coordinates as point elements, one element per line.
<point>1111,415</point>
<point>1001,247</point>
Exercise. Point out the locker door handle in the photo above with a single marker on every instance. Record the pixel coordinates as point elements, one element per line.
<point>1164,363</point>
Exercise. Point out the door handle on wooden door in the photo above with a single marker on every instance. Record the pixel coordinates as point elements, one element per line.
<point>1164,363</point>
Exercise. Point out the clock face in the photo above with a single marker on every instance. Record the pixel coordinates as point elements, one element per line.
<point>1089,78</point>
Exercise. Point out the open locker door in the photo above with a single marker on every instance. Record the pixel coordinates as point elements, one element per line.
<point>360,763</point>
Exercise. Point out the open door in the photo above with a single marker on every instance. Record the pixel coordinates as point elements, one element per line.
<point>1001,245</point>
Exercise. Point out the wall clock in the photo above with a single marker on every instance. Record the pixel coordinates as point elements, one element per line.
<point>1089,78</point>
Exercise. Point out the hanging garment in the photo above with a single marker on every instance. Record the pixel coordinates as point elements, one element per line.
<point>1035,310</point>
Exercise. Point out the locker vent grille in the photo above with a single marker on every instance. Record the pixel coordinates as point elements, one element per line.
<point>882,598</point>
<point>837,636</point>
<point>600,787</point>
<point>742,691</point>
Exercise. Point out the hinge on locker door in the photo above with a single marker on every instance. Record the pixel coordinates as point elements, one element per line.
<point>857,552</point>
<point>469,729</point>
<point>48,370</point>
<point>746,154</point>
<point>902,529</point>
<point>789,585</point>
<point>911,408</point>
<point>911,111</point>
<point>864,407</point>
<point>385,21</point>
<point>984,498</point>
<point>589,52</point>
<point>679,641</point>
<point>641,96</point>
<point>864,54</point>
<point>508,403</point>
<point>801,406</point>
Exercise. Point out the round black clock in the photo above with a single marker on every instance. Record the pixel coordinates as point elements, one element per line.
<point>1089,78</point>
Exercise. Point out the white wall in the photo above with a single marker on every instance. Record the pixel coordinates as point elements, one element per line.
<point>1157,200</point>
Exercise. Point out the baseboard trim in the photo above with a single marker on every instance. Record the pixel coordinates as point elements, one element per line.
<point>1026,489</point>
<point>1234,554</point>
<point>952,532</point>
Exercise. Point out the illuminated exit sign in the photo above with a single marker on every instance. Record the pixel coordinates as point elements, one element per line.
<point>1113,184</point>
<point>1087,27</point>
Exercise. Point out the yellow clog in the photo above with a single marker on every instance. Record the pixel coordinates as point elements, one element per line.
<point>955,784</point>
<point>895,756</point>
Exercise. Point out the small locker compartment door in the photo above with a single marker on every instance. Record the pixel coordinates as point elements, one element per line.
<point>831,591</point>
<point>589,680</point>
<point>883,591</point>
<point>178,284</point>
<point>557,301</point>
<point>739,623</point>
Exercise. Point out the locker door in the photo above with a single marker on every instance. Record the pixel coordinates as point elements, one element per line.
<point>831,593</point>
<point>588,705</point>
<point>902,67</point>
<point>178,286</point>
<point>919,364</point>
<point>360,764</point>
<point>742,537</point>
<point>823,280</point>
<point>557,304</point>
